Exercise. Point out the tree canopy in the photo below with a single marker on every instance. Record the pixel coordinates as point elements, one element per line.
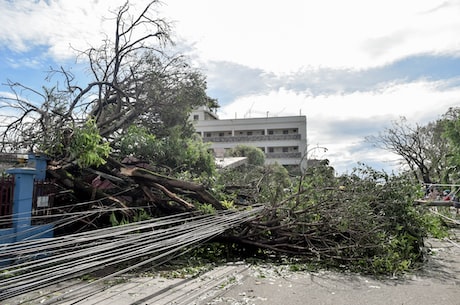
<point>255,155</point>
<point>135,81</point>
<point>451,132</point>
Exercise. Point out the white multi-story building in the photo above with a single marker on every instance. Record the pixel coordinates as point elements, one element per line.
<point>282,139</point>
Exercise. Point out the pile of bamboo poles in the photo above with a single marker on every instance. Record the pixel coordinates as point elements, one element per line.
<point>38,263</point>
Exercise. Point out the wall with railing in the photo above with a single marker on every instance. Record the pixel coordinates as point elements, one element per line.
<point>277,155</point>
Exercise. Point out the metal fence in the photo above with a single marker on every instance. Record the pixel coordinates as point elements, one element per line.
<point>42,201</point>
<point>6,201</point>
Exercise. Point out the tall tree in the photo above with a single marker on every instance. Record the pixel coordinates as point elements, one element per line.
<point>135,81</point>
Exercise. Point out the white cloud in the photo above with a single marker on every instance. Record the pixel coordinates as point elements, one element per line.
<point>23,62</point>
<point>286,36</point>
<point>272,35</point>
<point>412,100</point>
<point>341,122</point>
<point>58,25</point>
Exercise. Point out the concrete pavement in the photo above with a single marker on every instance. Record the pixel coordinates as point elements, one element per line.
<point>236,284</point>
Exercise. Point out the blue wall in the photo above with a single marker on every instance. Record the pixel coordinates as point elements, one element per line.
<point>22,203</point>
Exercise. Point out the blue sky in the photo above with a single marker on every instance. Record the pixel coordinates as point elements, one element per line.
<point>352,67</point>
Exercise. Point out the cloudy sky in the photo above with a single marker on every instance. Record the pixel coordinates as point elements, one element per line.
<point>352,67</point>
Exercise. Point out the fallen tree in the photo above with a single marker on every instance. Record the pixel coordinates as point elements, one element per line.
<point>138,106</point>
<point>363,222</point>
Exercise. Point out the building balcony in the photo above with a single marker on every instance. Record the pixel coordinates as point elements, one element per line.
<point>265,138</point>
<point>282,155</point>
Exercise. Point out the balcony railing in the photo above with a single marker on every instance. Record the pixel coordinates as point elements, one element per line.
<point>279,155</point>
<point>264,138</point>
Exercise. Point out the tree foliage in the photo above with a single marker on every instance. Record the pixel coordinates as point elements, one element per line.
<point>176,152</point>
<point>87,146</point>
<point>255,155</point>
<point>364,221</point>
<point>250,183</point>
<point>138,142</point>
<point>452,134</point>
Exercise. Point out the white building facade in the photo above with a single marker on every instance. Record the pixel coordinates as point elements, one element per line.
<point>282,139</point>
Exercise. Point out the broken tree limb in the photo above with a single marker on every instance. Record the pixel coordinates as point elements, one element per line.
<point>171,183</point>
<point>174,197</point>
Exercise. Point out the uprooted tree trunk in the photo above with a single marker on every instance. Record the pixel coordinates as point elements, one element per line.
<point>170,185</point>
<point>116,186</point>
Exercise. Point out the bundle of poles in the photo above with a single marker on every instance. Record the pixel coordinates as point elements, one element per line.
<point>35,264</point>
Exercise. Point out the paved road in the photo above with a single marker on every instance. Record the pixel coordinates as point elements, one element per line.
<point>438,284</point>
<point>239,284</point>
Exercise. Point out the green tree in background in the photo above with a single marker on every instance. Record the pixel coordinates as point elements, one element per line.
<point>255,155</point>
<point>452,134</point>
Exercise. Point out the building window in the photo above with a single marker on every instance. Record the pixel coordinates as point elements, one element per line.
<point>208,134</point>
<point>270,132</point>
<point>285,131</point>
<point>221,134</point>
<point>196,117</point>
<point>271,149</point>
<point>285,149</point>
<point>294,130</point>
<point>249,133</point>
